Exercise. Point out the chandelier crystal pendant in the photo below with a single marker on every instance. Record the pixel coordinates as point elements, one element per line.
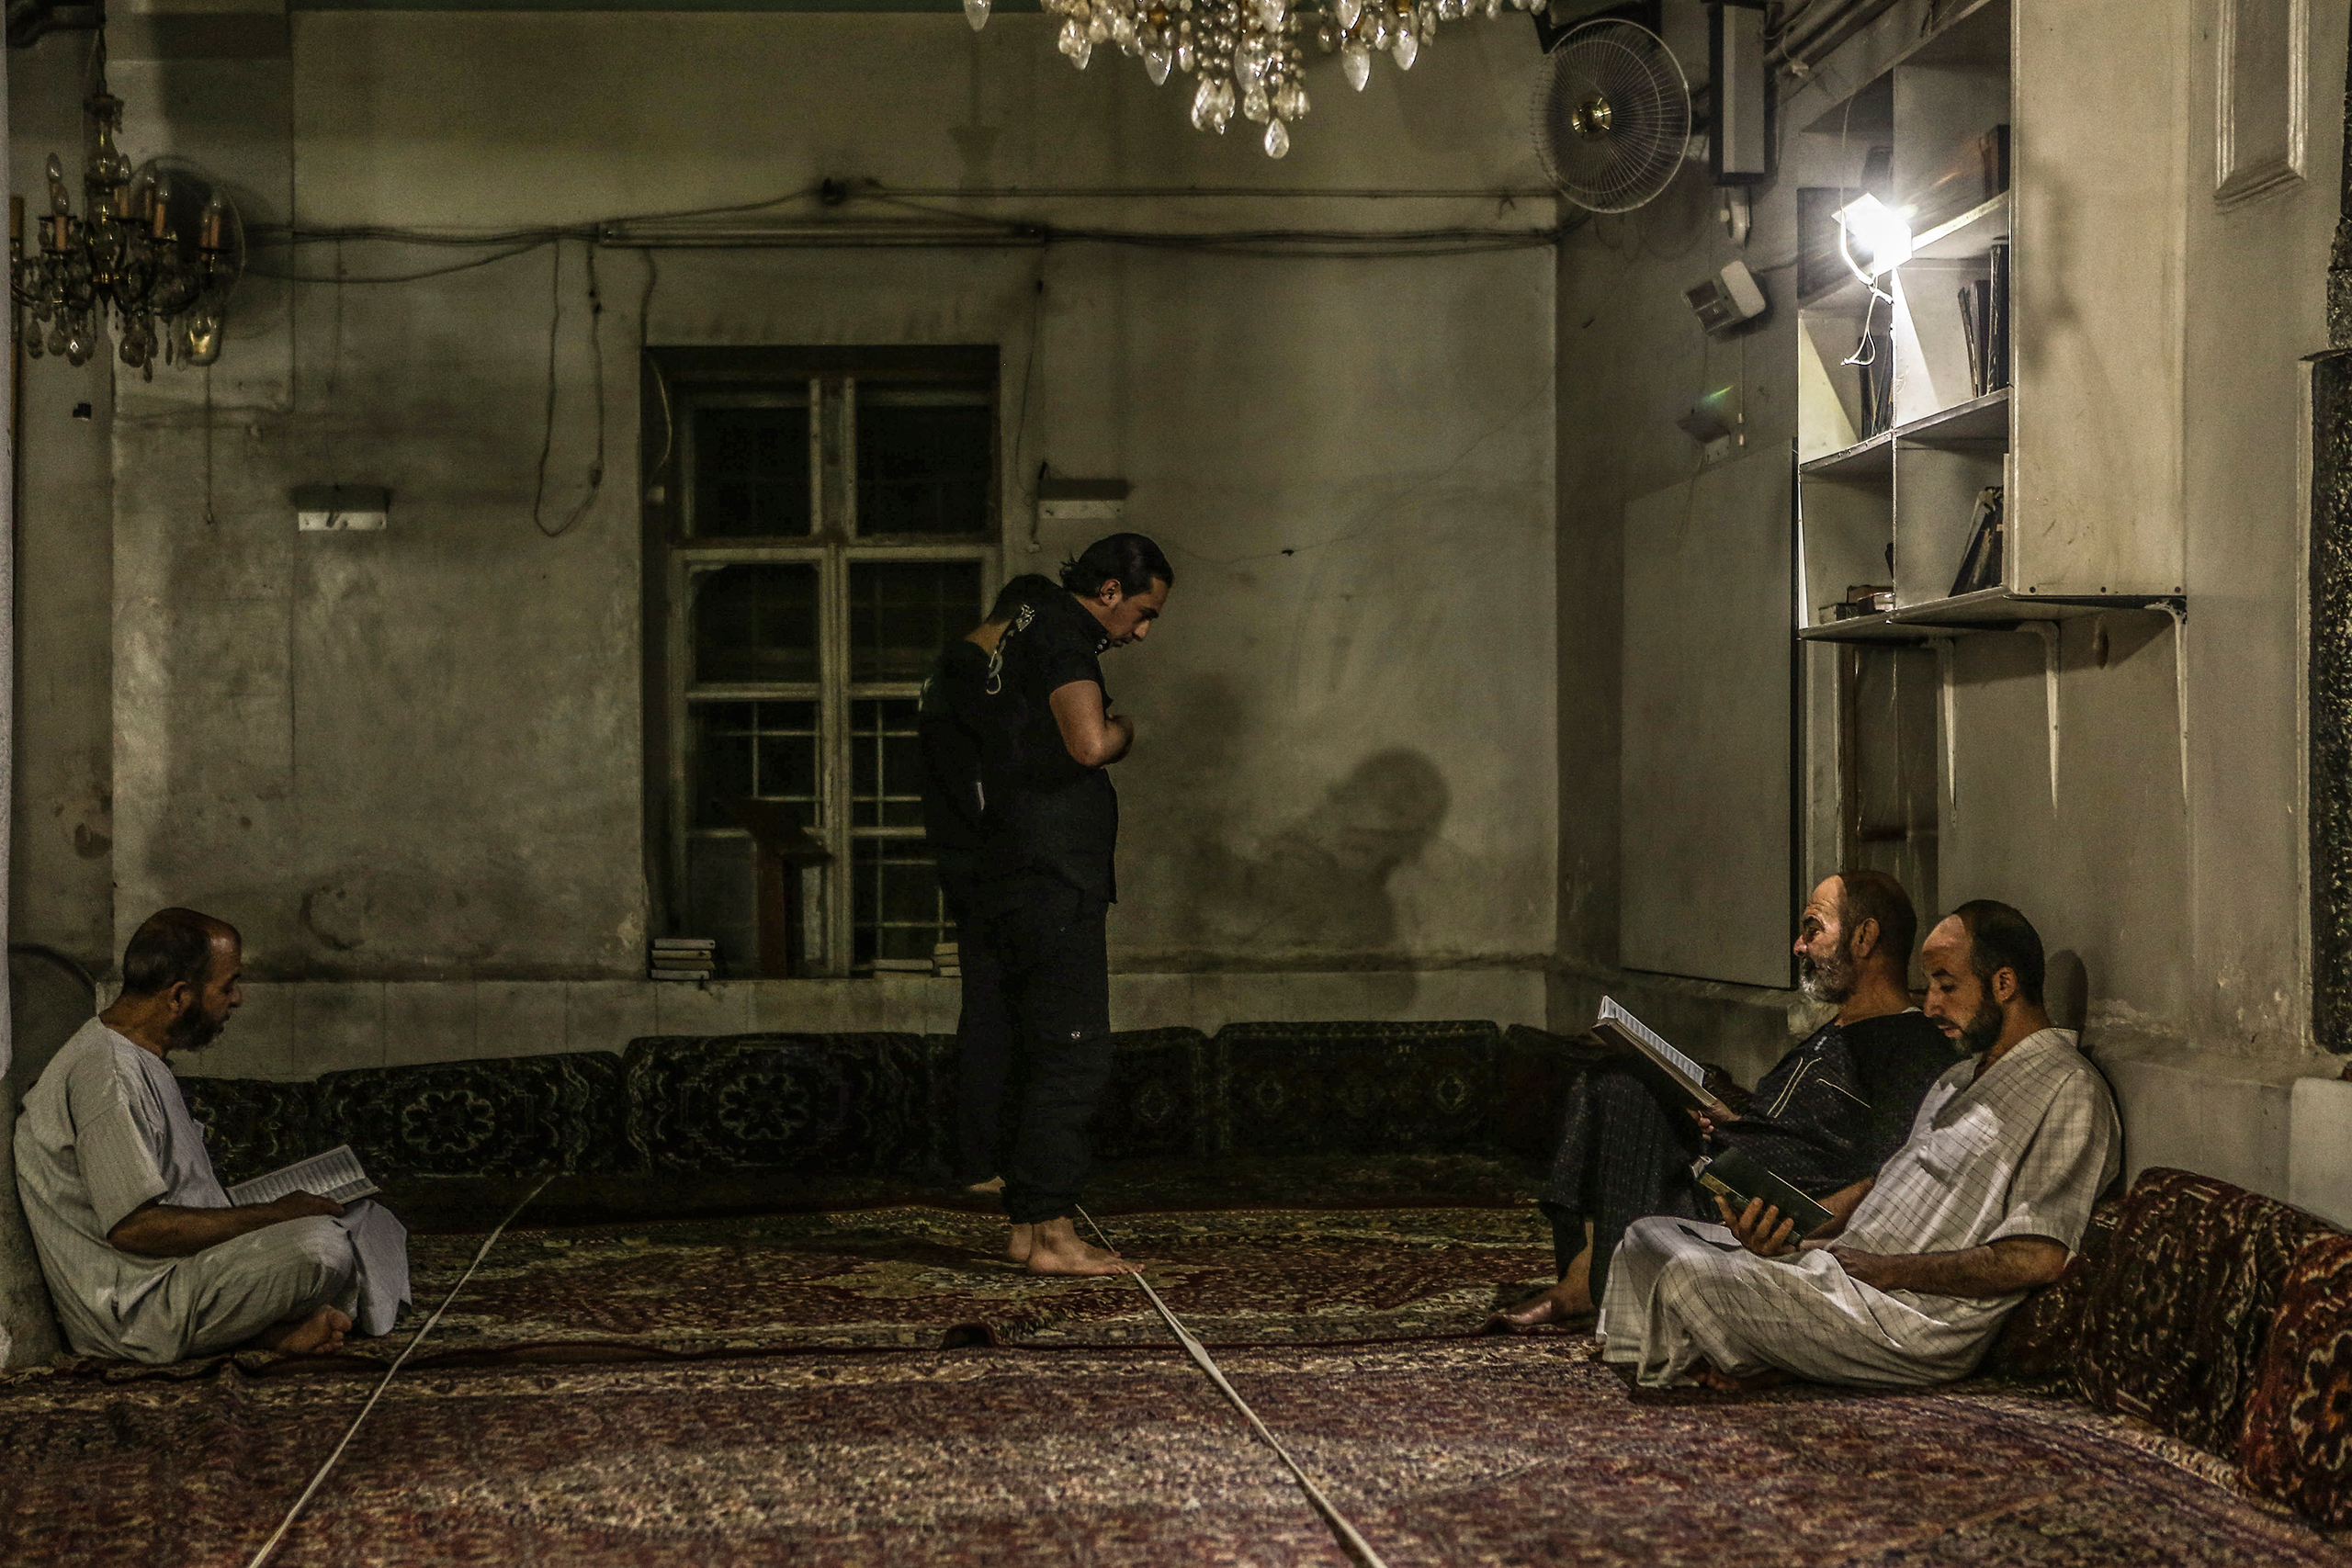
<point>1249,56</point>
<point>157,248</point>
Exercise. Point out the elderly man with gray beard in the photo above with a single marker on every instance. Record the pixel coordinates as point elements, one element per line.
<point>1824,1119</point>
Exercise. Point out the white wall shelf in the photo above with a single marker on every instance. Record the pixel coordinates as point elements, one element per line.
<point>1979,422</point>
<point>1973,233</point>
<point>1987,609</point>
<point>2090,505</point>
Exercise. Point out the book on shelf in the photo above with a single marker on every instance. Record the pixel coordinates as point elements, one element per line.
<point>1976,328</point>
<point>685,944</point>
<point>659,972</point>
<point>1621,1031</point>
<point>1978,171</point>
<point>1874,363</point>
<point>1738,1178</point>
<point>1861,599</point>
<point>1996,353</point>
<point>1980,564</point>
<point>902,965</point>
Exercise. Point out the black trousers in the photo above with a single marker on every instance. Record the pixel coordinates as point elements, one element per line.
<point>1048,938</point>
<point>983,1034</point>
<point>1623,1153</point>
<point>1626,1151</point>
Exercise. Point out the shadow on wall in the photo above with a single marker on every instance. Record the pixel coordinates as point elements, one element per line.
<point>2066,989</point>
<point>1318,886</point>
<point>1321,881</point>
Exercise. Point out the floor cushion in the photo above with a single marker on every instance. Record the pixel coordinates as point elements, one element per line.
<point>1157,1103</point>
<point>254,1126</point>
<point>1354,1088</point>
<point>2174,1329</point>
<point>847,1103</point>
<point>2040,1339</point>
<point>2298,1446</point>
<point>494,1116</point>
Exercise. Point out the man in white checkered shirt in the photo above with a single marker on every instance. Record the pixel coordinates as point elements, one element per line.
<point>1985,1201</point>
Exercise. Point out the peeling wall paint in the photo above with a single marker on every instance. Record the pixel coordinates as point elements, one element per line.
<point>415,755</point>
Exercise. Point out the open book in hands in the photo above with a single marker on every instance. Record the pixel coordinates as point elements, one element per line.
<point>336,1174</point>
<point>1621,1031</point>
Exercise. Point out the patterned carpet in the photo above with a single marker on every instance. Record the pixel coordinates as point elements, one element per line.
<point>922,1277</point>
<point>1446,1454</point>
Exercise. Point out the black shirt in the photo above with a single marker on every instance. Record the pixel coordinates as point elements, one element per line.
<point>1047,812</point>
<point>1833,1110</point>
<point>953,715</point>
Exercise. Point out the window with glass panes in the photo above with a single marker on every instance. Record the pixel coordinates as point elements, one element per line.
<point>834,533</point>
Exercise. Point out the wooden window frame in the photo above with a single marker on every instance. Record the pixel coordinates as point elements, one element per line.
<point>678,384</point>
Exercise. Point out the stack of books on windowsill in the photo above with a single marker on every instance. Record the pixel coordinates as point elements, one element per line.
<point>902,967</point>
<point>683,958</point>
<point>947,960</point>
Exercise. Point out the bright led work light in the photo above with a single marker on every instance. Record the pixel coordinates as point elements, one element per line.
<point>1880,234</point>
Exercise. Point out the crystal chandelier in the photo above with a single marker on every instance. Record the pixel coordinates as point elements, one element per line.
<point>157,248</point>
<point>1251,55</point>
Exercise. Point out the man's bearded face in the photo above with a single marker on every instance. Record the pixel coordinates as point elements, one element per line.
<point>194,1029</point>
<point>1831,979</point>
<point>1984,1025</point>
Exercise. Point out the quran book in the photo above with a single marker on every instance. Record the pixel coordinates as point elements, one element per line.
<point>336,1174</point>
<point>1737,1177</point>
<point>1621,1031</point>
<point>1982,566</point>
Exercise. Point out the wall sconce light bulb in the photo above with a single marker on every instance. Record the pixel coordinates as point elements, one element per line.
<point>1882,235</point>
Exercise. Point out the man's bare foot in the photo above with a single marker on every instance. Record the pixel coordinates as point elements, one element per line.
<point>321,1334</point>
<point>1572,1297</point>
<point>993,1184</point>
<point>1569,1298</point>
<point>1055,1250</point>
<point>1024,1241</point>
<point>1706,1376</point>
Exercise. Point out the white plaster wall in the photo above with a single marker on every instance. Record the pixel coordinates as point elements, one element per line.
<point>413,756</point>
<point>2183,904</point>
<point>61,886</point>
<point>2188,911</point>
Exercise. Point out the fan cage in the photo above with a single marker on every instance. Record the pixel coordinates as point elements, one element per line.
<point>1630,69</point>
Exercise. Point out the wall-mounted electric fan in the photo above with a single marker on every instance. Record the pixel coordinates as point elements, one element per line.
<point>1611,115</point>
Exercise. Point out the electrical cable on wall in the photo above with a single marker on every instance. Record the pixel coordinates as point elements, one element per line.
<point>1028,377</point>
<point>968,230</point>
<point>660,382</point>
<point>596,355</point>
<point>965,231</point>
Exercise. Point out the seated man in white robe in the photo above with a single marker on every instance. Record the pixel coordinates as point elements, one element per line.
<point>1985,1201</point>
<point>145,1257</point>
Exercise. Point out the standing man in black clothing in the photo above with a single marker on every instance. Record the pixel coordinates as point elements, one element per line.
<point>1043,877</point>
<point>1825,1117</point>
<point>953,715</point>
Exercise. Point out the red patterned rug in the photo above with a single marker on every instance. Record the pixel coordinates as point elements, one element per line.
<point>923,1277</point>
<point>1446,1454</point>
<point>915,1277</point>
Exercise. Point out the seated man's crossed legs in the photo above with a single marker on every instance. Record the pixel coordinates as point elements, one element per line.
<point>1823,1119</point>
<point>289,1287</point>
